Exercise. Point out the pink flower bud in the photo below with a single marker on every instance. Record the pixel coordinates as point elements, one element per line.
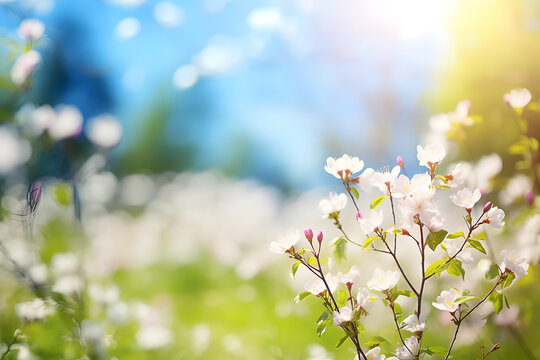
<point>309,234</point>
<point>488,206</point>
<point>400,161</point>
<point>529,197</point>
<point>358,215</point>
<point>320,236</point>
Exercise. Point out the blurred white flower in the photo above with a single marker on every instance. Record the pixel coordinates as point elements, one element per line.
<point>372,222</point>
<point>69,285</point>
<point>513,262</point>
<point>38,273</point>
<point>24,66</point>
<point>104,130</point>
<point>382,281</point>
<point>65,264</point>
<point>517,187</point>
<point>92,333</point>
<point>411,350</point>
<point>285,243</point>
<point>454,245</point>
<point>413,324</point>
<point>385,178</point>
<point>153,337</point>
<point>201,337</point>
<point>127,28</point>
<point>168,14</point>
<point>31,29</point>
<point>35,310</point>
<point>446,301</point>
<point>67,123</point>
<point>507,316</point>
<point>432,154</point>
<point>466,198</point>
<point>334,203</point>
<point>14,151</point>
<point>518,98</point>
<point>345,314</point>
<point>317,286</point>
<point>495,217</point>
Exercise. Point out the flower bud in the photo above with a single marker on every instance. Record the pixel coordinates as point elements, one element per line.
<point>320,236</point>
<point>358,215</point>
<point>529,197</point>
<point>488,206</point>
<point>309,234</point>
<point>400,161</point>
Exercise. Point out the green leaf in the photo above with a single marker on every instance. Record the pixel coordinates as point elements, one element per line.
<point>324,317</point>
<point>493,272</point>
<point>464,299</point>
<point>340,249</point>
<point>312,260</point>
<point>475,244</point>
<point>407,293</point>
<point>343,296</point>
<point>341,341</point>
<point>303,295</point>
<point>508,279</point>
<point>432,350</point>
<point>397,309</point>
<point>443,186</point>
<point>377,201</point>
<point>321,328</point>
<point>368,241</point>
<point>480,236</point>
<point>455,268</point>
<point>435,238</point>
<point>436,268</point>
<point>355,193</point>
<point>496,298</point>
<point>294,268</point>
<point>455,235</point>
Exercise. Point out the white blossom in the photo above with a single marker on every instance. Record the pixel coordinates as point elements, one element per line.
<point>382,281</point>
<point>495,217</point>
<point>67,123</point>
<point>24,66</point>
<point>285,243</point>
<point>466,198</point>
<point>516,187</point>
<point>411,350</point>
<point>518,98</point>
<point>385,178</point>
<point>446,301</point>
<point>334,203</point>
<point>345,314</point>
<point>431,154</point>
<point>31,29</point>
<point>317,286</point>
<point>413,324</point>
<point>35,310</point>
<point>350,277</point>
<point>454,245</point>
<point>513,262</point>
<point>104,131</point>
<point>370,223</point>
<point>153,336</point>
<point>14,150</point>
<point>363,297</point>
<point>343,167</point>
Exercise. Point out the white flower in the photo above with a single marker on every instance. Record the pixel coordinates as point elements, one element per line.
<point>370,223</point>
<point>343,167</point>
<point>518,98</point>
<point>432,154</point>
<point>507,316</point>
<point>412,349</point>
<point>65,264</point>
<point>104,131</point>
<point>24,66</point>
<point>69,285</point>
<point>351,277</point>
<point>363,297</point>
<point>31,29</point>
<point>466,198</point>
<point>513,262</point>
<point>485,169</point>
<point>385,178</point>
<point>382,281</point>
<point>373,354</point>
<point>332,204</point>
<point>35,310</point>
<point>68,123</point>
<point>345,314</point>
<point>285,243</point>
<point>495,217</point>
<point>446,301</point>
<point>14,150</point>
<point>517,187</point>
<point>413,324</point>
<point>317,286</point>
<point>461,114</point>
<point>153,336</point>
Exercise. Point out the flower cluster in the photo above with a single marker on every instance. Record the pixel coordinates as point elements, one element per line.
<point>415,215</point>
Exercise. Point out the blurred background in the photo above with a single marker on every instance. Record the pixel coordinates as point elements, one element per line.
<point>228,110</point>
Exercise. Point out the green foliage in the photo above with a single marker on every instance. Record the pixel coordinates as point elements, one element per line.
<point>455,268</point>
<point>340,249</point>
<point>377,201</point>
<point>436,268</point>
<point>475,244</point>
<point>435,238</point>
